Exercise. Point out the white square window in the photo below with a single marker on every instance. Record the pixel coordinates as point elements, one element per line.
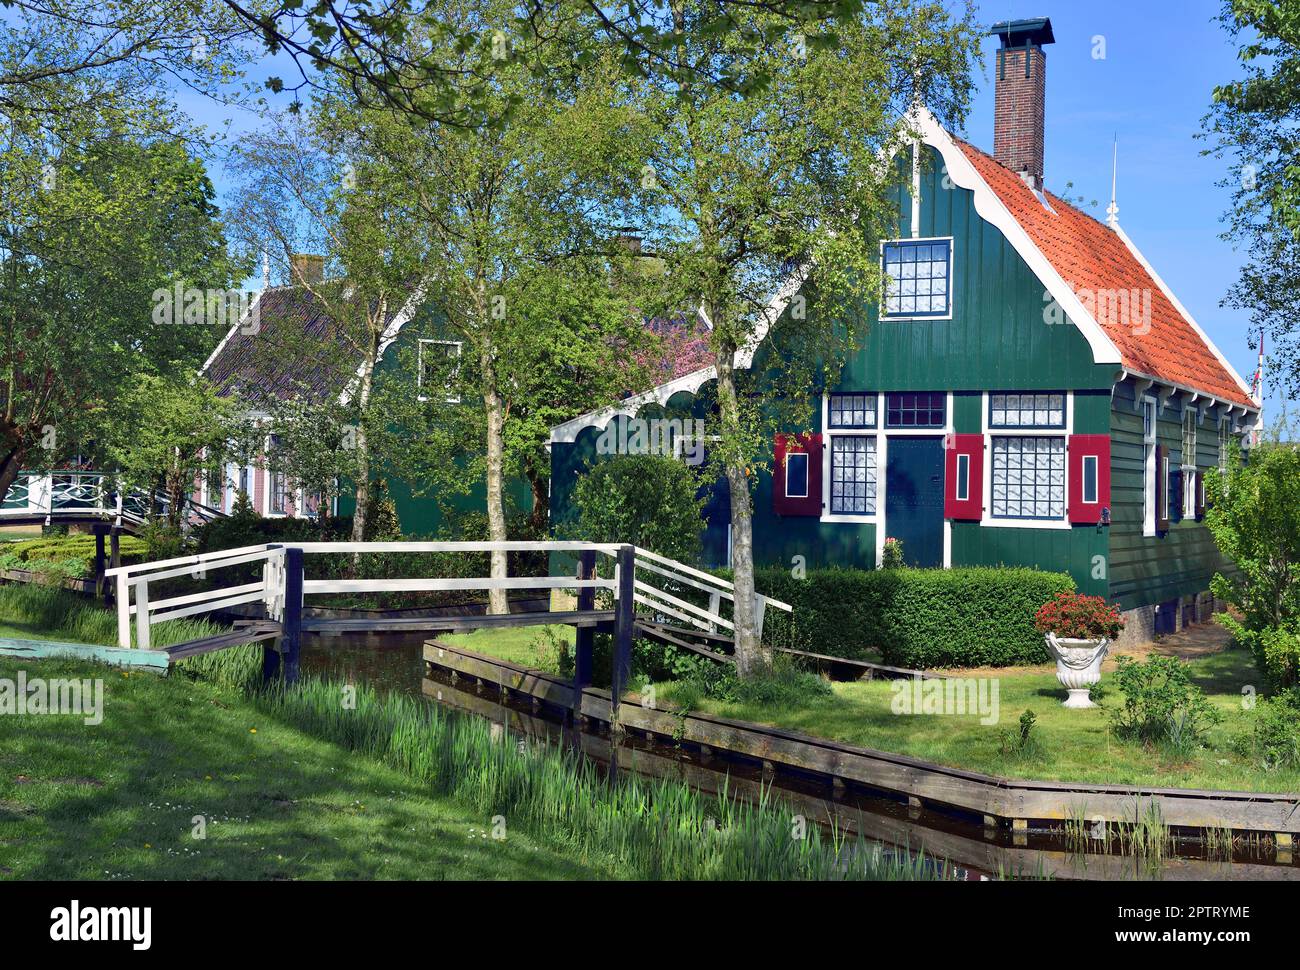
<point>917,273</point>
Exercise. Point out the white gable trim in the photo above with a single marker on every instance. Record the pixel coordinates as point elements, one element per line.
<point>692,382</point>
<point>964,175</point>
<point>1164,288</point>
<point>234,329</point>
<point>401,319</point>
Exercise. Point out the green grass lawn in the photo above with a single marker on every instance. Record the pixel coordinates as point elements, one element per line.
<point>119,800</point>
<point>528,646</point>
<point>1073,745</point>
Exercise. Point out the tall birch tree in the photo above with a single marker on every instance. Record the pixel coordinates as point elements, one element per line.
<point>783,181</point>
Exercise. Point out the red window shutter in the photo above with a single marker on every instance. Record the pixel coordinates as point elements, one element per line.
<point>1162,488</point>
<point>964,467</point>
<point>1088,494</point>
<point>786,445</point>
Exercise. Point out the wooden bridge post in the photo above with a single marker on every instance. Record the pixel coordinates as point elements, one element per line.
<point>114,559</point>
<point>624,626</point>
<point>292,638</point>
<point>584,636</point>
<point>101,587</point>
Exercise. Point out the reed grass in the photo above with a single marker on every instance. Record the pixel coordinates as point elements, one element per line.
<point>658,829</point>
<point>49,613</point>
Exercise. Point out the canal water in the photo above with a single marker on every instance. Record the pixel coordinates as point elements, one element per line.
<point>394,663</point>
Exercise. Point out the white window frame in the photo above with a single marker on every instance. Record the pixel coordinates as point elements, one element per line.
<point>1083,483</point>
<point>885,317</point>
<point>987,519</point>
<point>419,366</point>
<point>807,476</point>
<point>1149,442</point>
<point>1225,442</point>
<point>1191,416</point>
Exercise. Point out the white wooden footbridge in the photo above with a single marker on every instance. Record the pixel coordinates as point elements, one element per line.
<point>620,589</point>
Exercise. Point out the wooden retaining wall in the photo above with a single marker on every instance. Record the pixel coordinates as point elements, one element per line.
<point>989,854</point>
<point>1012,801</point>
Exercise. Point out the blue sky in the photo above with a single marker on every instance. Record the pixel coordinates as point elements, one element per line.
<point>1150,90</point>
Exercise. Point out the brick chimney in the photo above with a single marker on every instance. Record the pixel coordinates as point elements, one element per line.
<point>1021,72</point>
<point>306,268</point>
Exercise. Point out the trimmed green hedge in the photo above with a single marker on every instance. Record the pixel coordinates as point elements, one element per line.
<point>919,618</point>
<point>80,546</point>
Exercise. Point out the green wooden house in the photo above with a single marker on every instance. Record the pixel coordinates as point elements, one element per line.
<point>1030,392</point>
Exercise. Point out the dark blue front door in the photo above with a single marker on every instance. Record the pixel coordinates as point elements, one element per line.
<point>914,498</point>
<point>716,537</point>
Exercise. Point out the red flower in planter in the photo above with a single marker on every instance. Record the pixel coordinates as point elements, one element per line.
<point>1076,617</point>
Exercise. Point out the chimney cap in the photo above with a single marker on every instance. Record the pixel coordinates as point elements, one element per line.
<point>1019,33</point>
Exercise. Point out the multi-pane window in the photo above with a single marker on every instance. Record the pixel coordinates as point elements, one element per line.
<point>918,278</point>
<point>439,366</point>
<point>1028,477</point>
<point>1037,410</point>
<point>853,411</point>
<point>279,493</point>
<point>1189,461</point>
<point>853,474</point>
<point>1189,436</point>
<point>1149,470</point>
<point>916,409</point>
<point>1224,438</point>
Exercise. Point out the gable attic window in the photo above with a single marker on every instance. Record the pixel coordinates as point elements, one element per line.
<point>918,278</point>
<point>439,364</point>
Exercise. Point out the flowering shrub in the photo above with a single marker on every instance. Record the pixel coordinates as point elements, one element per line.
<point>1077,617</point>
<point>891,556</point>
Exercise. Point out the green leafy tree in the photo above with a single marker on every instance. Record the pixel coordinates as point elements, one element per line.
<point>1254,516</point>
<point>304,192</point>
<point>169,432</point>
<point>647,500</point>
<point>1253,122</point>
<point>513,220</point>
<point>753,191</point>
<point>97,218</point>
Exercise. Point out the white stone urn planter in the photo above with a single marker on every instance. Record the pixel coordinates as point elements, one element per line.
<point>1078,665</point>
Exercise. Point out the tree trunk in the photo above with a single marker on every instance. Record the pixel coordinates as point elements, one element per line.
<point>496,510</point>
<point>750,655</point>
<point>10,466</point>
<point>539,514</point>
<point>362,484</point>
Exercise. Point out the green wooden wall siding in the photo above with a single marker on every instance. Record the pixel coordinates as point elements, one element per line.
<point>1146,570</point>
<point>997,338</point>
<point>419,514</point>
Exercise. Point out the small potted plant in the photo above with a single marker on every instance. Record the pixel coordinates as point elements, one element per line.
<point>1078,631</point>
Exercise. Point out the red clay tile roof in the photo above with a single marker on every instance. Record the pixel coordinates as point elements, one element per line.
<point>1091,257</point>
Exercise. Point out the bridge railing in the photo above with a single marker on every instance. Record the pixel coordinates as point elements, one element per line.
<point>78,494</point>
<point>662,587</point>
